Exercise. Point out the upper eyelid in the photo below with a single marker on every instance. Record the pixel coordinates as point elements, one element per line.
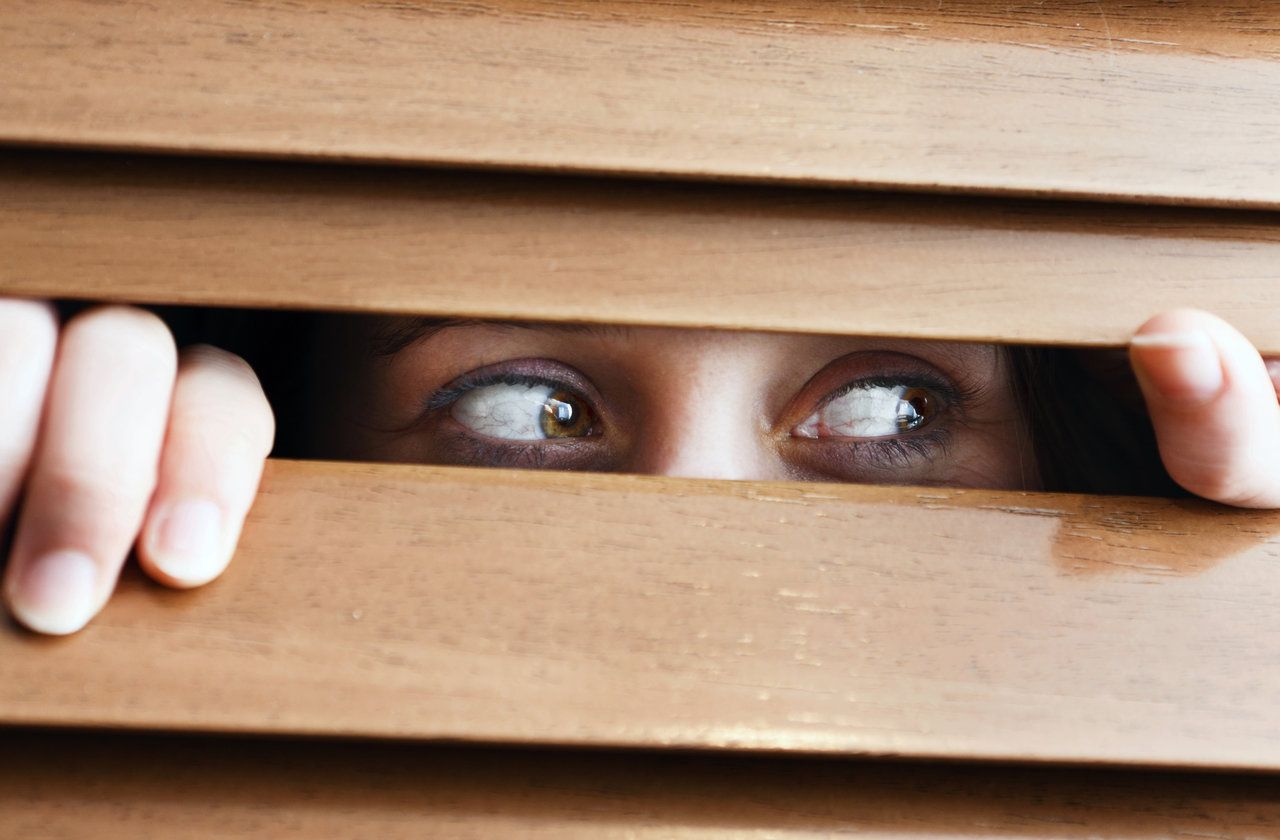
<point>449,394</point>
<point>892,368</point>
<point>938,385</point>
<point>516,371</point>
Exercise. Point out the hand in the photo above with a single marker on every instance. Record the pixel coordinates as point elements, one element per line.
<point>1213,402</point>
<point>112,439</point>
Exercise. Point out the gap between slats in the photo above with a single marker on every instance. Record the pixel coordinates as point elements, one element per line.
<point>1129,101</point>
<point>108,787</point>
<point>262,235</point>
<point>432,603</point>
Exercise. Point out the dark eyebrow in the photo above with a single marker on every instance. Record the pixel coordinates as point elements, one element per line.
<point>405,332</point>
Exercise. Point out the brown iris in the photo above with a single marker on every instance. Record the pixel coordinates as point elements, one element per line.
<point>916,409</point>
<point>565,415</point>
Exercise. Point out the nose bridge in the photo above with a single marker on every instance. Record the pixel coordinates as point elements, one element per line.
<point>708,452</point>
<point>703,422</point>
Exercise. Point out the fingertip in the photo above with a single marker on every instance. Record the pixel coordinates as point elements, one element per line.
<point>220,390</point>
<point>220,431</point>
<point>1172,354</point>
<point>56,594</point>
<point>1178,366</point>
<point>184,543</point>
<point>36,316</point>
<point>1230,342</point>
<point>1213,404</point>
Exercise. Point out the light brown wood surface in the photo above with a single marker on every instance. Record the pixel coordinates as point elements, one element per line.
<point>544,608</point>
<point>499,608</point>
<point>149,230</point>
<point>75,785</point>
<point>1131,100</point>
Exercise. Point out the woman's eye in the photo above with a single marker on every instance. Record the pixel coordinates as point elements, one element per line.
<point>512,411</point>
<point>871,411</point>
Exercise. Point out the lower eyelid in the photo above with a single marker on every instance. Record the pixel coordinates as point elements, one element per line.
<point>464,449</point>
<point>904,459</point>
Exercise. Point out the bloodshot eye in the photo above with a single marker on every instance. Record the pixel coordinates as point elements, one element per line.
<point>517,411</point>
<point>871,411</point>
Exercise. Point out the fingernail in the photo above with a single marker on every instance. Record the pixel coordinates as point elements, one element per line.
<point>1182,366</point>
<point>188,545</point>
<point>57,594</point>
<point>1273,368</point>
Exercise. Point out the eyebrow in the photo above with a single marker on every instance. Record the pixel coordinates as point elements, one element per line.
<point>406,332</point>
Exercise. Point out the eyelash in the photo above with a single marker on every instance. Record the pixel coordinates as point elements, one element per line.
<point>470,448</point>
<point>953,396</point>
<point>452,392</point>
<point>877,454</point>
<point>905,450</point>
<point>899,452</point>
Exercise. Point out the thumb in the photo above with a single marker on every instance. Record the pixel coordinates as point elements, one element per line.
<point>1213,404</point>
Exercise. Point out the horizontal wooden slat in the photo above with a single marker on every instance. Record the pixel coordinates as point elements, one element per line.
<point>1135,100</point>
<point>525,607</point>
<point>72,785</point>
<point>568,249</point>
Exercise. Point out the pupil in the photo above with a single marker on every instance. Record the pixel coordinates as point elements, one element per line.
<point>914,410</point>
<point>564,415</point>
<point>562,411</point>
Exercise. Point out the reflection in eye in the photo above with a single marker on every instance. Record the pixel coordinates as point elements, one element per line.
<point>521,411</point>
<point>870,410</point>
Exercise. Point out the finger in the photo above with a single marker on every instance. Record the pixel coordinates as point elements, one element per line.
<point>1213,404</point>
<point>94,468</point>
<point>220,431</point>
<point>28,338</point>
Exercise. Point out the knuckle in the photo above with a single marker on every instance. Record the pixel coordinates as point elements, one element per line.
<point>85,496</point>
<point>229,433</point>
<point>131,334</point>
<point>26,323</point>
<point>251,432</point>
<point>215,359</point>
<point>220,399</point>
<point>28,338</point>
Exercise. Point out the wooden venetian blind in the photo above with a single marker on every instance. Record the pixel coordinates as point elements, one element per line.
<point>504,609</point>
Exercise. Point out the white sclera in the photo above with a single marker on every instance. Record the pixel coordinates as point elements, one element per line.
<point>865,412</point>
<point>509,412</point>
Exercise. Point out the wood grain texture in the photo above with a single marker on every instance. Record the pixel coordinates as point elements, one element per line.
<point>167,231</point>
<point>73,785</point>
<point>1131,100</point>
<point>541,608</point>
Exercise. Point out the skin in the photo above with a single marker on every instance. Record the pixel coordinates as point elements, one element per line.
<point>115,441</point>
<point>692,403</point>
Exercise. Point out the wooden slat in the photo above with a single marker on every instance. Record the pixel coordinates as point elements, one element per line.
<point>1132,100</point>
<point>568,249</point>
<point>525,607</point>
<point>72,785</point>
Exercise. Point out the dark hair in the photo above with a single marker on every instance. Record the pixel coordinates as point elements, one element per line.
<point>1088,427</point>
<point>1090,431</point>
